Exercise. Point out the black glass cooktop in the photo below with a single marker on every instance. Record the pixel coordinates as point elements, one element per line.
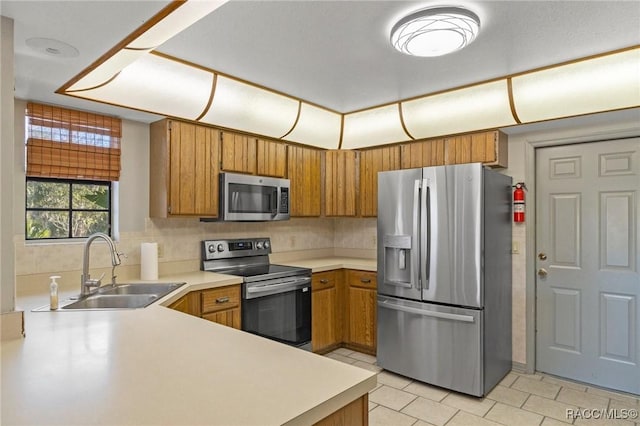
<point>263,272</point>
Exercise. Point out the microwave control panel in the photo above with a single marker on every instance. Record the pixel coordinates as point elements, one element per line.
<point>284,200</point>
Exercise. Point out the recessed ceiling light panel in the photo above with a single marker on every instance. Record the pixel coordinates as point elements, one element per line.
<point>435,31</point>
<point>51,47</point>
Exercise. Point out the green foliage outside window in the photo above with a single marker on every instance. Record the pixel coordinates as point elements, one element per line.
<point>66,208</point>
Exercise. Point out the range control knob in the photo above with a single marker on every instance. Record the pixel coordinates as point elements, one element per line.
<point>220,248</point>
<point>266,244</point>
<point>259,245</point>
<point>211,248</point>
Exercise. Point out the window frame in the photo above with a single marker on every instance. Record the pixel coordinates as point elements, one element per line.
<point>70,210</point>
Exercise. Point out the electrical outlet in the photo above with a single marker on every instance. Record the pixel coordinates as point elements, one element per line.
<point>515,247</point>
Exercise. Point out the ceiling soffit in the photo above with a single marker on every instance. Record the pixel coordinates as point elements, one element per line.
<point>134,75</point>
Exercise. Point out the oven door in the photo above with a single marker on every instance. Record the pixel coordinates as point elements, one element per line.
<point>253,198</point>
<point>279,310</point>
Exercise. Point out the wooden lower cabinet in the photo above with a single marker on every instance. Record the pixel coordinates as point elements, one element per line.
<point>355,413</point>
<point>343,309</point>
<point>188,304</point>
<point>326,326</point>
<point>220,305</point>
<point>344,313</point>
<point>360,317</point>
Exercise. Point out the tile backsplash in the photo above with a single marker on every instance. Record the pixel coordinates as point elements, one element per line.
<point>179,246</point>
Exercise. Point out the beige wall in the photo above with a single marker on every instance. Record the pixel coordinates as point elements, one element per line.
<point>7,287</point>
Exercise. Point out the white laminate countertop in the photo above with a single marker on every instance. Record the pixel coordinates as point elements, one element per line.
<point>158,366</point>
<point>331,263</point>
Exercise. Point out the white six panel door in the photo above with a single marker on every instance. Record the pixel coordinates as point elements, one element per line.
<point>588,284</point>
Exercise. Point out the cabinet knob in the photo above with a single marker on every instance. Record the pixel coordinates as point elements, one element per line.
<point>324,281</point>
<point>365,280</point>
<point>222,300</point>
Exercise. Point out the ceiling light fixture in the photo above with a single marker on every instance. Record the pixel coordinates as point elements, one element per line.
<point>52,47</point>
<point>435,31</point>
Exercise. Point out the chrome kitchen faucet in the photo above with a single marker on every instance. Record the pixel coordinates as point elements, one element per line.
<point>86,282</point>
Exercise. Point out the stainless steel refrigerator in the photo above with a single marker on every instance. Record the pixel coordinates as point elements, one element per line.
<point>444,276</point>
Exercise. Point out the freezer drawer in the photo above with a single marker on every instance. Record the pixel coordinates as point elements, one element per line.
<point>435,344</point>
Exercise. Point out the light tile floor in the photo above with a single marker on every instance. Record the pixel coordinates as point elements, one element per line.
<point>519,399</point>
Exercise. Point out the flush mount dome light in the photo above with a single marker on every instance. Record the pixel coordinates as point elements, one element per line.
<point>52,47</point>
<point>435,31</point>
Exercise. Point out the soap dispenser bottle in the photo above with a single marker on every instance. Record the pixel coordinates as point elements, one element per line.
<point>53,292</point>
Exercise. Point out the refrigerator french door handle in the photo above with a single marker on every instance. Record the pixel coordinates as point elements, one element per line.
<point>435,314</point>
<point>415,244</point>
<point>425,237</point>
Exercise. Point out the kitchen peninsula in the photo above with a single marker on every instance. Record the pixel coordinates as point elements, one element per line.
<point>160,366</point>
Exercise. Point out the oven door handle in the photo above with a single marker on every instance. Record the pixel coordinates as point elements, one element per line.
<point>281,287</point>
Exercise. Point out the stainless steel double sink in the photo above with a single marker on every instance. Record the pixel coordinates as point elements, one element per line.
<point>122,296</point>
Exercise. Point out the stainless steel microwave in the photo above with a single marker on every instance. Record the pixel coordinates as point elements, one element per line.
<point>253,198</point>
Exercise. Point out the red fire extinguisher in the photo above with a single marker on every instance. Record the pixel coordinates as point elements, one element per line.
<point>518,202</point>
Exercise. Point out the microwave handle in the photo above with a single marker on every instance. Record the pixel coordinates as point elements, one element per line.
<point>275,201</point>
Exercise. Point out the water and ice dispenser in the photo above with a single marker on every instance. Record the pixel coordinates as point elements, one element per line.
<point>397,260</point>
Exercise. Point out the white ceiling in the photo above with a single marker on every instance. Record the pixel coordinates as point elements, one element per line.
<point>332,53</point>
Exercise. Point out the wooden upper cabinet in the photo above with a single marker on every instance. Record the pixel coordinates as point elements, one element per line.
<point>303,169</point>
<point>340,183</point>
<point>238,153</point>
<point>183,169</point>
<point>373,161</point>
<point>489,148</point>
<point>272,158</point>
<point>423,153</point>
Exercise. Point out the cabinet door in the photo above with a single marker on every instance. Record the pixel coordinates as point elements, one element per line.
<point>272,158</point>
<point>373,161</point>
<point>423,154</point>
<point>188,304</point>
<point>489,148</point>
<point>324,311</point>
<point>238,153</point>
<point>303,169</point>
<point>193,173</point>
<point>323,307</point>
<point>340,183</point>
<point>361,310</point>
<point>229,317</point>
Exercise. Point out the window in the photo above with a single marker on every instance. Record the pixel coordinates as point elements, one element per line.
<point>72,159</point>
<point>60,208</point>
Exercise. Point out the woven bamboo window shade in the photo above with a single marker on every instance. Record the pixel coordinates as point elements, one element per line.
<point>69,144</point>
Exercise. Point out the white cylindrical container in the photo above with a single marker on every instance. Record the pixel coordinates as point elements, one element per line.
<point>149,261</point>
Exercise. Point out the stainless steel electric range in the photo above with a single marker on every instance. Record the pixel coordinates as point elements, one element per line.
<point>276,299</point>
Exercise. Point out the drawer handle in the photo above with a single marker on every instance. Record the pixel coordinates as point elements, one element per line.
<point>222,300</point>
<point>324,281</point>
<point>365,280</point>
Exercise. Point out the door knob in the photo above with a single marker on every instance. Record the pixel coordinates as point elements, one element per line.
<point>542,256</point>
<point>542,272</point>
